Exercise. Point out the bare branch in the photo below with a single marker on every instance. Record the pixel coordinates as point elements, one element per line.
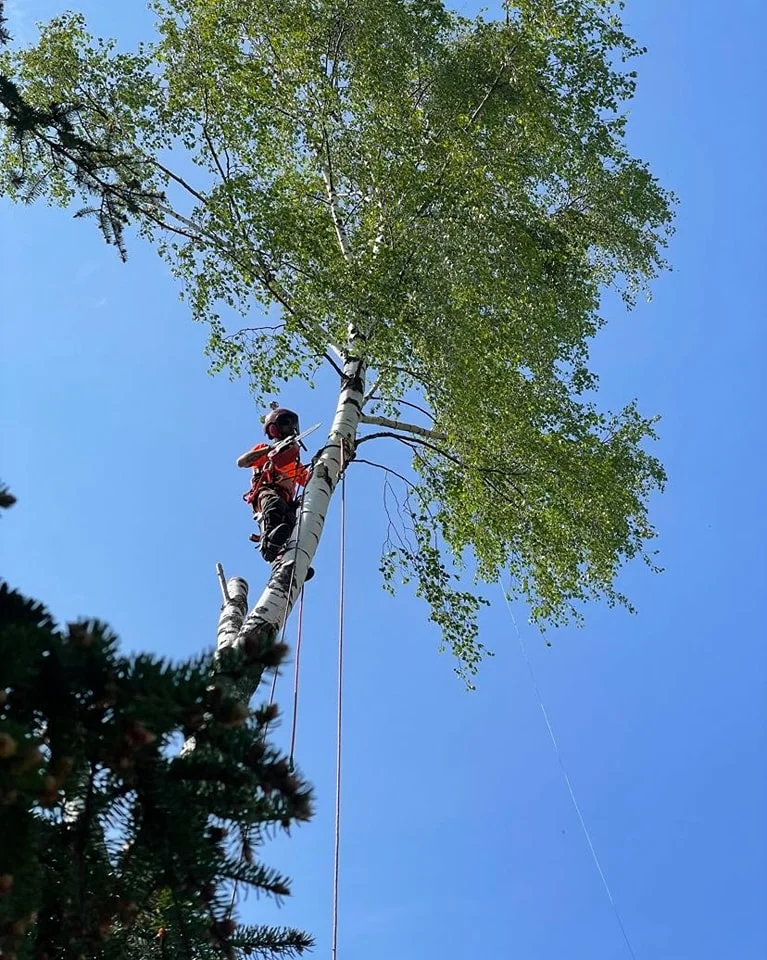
<point>216,159</point>
<point>333,364</point>
<point>403,426</point>
<point>371,391</point>
<point>416,444</point>
<point>377,436</point>
<point>177,179</point>
<point>370,395</point>
<point>269,326</point>
<point>413,375</point>
<point>381,466</point>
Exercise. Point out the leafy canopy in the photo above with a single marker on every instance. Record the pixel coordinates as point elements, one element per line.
<point>459,190</point>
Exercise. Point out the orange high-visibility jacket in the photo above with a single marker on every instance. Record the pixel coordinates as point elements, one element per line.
<point>283,470</point>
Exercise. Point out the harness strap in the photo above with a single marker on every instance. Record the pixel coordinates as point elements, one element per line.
<point>266,475</point>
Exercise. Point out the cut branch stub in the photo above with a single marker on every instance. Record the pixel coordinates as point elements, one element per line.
<point>232,613</point>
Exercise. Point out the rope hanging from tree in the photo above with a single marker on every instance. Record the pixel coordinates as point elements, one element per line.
<point>282,633</point>
<point>296,678</point>
<point>339,719</point>
<point>222,581</point>
<point>339,708</point>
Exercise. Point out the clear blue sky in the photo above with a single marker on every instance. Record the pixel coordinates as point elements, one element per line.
<point>459,838</point>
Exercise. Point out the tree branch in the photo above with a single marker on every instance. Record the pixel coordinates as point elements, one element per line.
<point>413,375</point>
<point>381,466</point>
<point>370,395</point>
<point>238,220</point>
<point>330,187</point>
<point>474,114</point>
<point>370,392</point>
<point>213,152</point>
<point>491,89</point>
<point>403,426</point>
<point>158,212</point>
<point>414,443</point>
<point>333,364</point>
<point>411,442</point>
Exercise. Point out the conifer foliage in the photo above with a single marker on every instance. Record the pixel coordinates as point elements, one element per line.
<point>51,135</point>
<point>113,844</point>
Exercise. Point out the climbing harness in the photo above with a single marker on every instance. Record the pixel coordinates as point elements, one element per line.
<point>568,783</point>
<point>269,472</point>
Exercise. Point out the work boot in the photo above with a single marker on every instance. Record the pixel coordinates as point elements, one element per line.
<point>280,535</point>
<point>273,543</point>
<point>269,552</point>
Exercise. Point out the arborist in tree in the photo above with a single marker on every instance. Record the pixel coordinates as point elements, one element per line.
<point>277,471</point>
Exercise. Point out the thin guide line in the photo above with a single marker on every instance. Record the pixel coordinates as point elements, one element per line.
<point>568,783</point>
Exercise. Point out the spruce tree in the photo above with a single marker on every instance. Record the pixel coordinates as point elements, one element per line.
<point>114,844</point>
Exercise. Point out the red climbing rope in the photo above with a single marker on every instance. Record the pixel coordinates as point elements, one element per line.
<point>339,717</point>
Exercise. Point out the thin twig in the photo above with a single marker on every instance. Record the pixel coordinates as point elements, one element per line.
<point>381,466</point>
<point>398,403</point>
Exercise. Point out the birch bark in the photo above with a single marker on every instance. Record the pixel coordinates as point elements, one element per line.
<point>232,613</point>
<point>262,624</point>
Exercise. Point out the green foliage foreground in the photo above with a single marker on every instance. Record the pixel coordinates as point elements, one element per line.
<point>112,845</point>
<point>459,191</point>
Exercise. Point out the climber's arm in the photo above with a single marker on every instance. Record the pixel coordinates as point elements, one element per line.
<point>254,457</point>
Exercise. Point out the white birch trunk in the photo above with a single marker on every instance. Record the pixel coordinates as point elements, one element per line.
<point>230,618</point>
<point>232,613</point>
<point>262,624</point>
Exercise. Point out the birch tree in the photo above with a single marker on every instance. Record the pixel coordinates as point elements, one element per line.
<point>432,205</point>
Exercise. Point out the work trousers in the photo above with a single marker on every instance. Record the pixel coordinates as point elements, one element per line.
<point>278,517</point>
